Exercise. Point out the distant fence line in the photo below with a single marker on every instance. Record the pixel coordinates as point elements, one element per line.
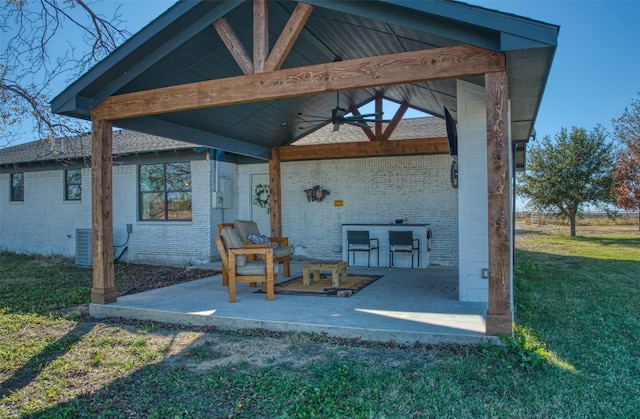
<point>542,217</point>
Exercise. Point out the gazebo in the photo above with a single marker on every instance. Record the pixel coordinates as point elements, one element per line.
<point>234,74</point>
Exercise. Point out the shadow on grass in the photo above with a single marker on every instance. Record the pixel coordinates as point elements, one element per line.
<point>610,241</point>
<point>24,376</point>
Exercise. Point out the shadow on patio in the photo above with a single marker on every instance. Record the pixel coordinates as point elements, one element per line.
<point>403,306</point>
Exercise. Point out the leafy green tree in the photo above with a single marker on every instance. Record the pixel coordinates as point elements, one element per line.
<point>569,172</point>
<point>627,172</point>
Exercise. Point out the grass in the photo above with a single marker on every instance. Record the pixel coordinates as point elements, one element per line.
<point>576,352</point>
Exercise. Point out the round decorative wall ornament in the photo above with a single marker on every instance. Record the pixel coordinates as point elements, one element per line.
<point>261,196</point>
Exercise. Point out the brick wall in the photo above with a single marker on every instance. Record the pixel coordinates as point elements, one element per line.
<point>46,224</point>
<point>373,190</point>
<point>43,223</point>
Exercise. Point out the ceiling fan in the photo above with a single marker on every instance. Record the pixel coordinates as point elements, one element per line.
<point>338,118</point>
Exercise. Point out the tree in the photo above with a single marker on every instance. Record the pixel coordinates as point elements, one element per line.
<point>48,41</point>
<point>627,172</point>
<point>565,174</point>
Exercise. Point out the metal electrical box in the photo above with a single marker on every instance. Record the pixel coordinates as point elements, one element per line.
<point>223,197</point>
<point>217,199</point>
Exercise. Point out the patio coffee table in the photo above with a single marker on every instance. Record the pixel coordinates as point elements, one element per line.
<point>338,272</point>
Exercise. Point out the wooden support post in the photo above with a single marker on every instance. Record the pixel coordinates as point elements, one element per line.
<point>499,314</point>
<point>104,290</point>
<point>275,210</point>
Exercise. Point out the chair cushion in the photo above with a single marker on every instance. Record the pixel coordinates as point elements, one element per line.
<point>254,268</point>
<point>359,247</point>
<point>281,251</point>
<point>231,240</point>
<point>244,228</point>
<point>401,248</point>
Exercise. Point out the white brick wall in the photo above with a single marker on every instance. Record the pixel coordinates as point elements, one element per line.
<point>172,242</point>
<point>45,224</point>
<point>373,190</point>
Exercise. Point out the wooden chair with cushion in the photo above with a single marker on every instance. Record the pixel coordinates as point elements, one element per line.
<point>234,261</point>
<point>281,250</point>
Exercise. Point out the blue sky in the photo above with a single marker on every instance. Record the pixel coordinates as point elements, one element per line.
<point>596,69</point>
<point>595,72</point>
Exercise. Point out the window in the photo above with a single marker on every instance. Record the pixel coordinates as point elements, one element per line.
<point>17,187</point>
<point>165,191</point>
<point>72,185</point>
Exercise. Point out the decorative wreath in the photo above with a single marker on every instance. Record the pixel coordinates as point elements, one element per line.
<point>261,196</point>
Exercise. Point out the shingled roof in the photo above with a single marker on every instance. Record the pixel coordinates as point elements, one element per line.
<point>130,142</point>
<point>72,148</point>
<point>410,128</point>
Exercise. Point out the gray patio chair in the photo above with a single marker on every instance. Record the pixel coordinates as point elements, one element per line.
<point>403,242</point>
<point>359,241</point>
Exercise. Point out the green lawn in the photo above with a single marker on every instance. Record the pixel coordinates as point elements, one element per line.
<point>576,353</point>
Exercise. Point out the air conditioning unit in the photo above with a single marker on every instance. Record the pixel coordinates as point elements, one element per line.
<point>84,244</point>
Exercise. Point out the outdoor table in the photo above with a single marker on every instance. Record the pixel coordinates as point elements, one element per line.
<point>338,272</point>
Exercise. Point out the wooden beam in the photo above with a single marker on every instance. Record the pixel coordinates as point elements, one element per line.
<point>407,67</point>
<point>288,37</point>
<point>260,34</point>
<point>419,146</point>
<point>378,110</point>
<point>275,188</point>
<point>499,314</point>
<point>103,290</point>
<point>235,47</point>
<point>395,121</point>
<point>369,133</point>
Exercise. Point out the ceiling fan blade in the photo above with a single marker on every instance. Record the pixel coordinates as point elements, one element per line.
<point>302,115</point>
<point>336,126</point>
<point>366,115</point>
<point>357,124</point>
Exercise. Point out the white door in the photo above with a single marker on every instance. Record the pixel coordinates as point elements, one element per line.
<point>258,214</point>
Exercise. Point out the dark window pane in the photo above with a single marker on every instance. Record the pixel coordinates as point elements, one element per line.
<point>178,177</point>
<point>165,191</point>
<point>152,178</point>
<point>73,185</point>
<point>74,193</point>
<point>179,206</point>
<point>17,186</point>
<point>74,176</point>
<point>152,206</point>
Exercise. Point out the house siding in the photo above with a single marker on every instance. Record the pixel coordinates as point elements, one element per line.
<point>472,175</point>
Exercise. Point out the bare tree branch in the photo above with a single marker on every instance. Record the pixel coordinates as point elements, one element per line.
<point>48,42</point>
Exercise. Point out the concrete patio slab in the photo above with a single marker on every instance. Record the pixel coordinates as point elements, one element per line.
<point>403,306</point>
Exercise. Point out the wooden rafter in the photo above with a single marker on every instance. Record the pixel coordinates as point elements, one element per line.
<point>368,132</point>
<point>439,145</point>
<point>378,111</point>
<point>395,121</point>
<point>235,47</point>
<point>260,34</point>
<point>288,37</point>
<point>415,66</point>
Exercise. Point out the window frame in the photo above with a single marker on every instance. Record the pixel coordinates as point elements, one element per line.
<point>67,185</point>
<point>164,191</point>
<point>13,188</point>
